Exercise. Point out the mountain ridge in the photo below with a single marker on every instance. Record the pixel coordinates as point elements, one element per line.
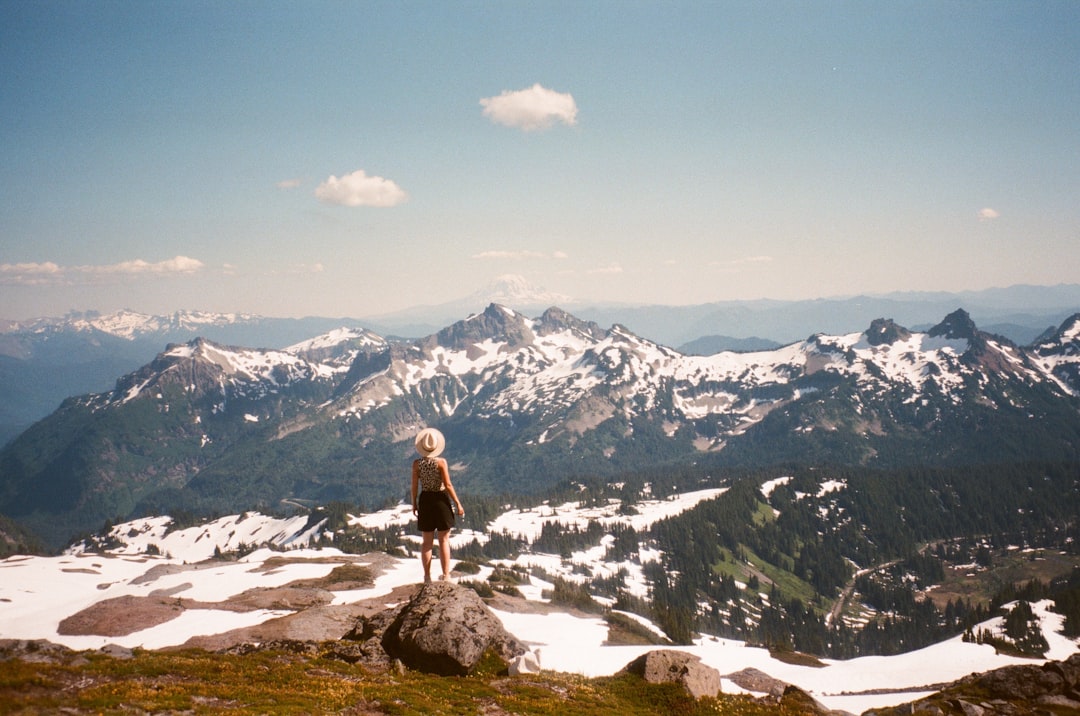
<point>526,401</point>
<point>45,360</point>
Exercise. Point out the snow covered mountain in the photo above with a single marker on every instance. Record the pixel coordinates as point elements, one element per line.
<point>527,402</point>
<point>510,290</point>
<point>129,324</point>
<point>46,360</point>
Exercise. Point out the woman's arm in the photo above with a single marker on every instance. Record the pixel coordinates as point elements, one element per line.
<point>415,486</point>
<point>444,470</point>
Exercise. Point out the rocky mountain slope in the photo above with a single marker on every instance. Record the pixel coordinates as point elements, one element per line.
<point>525,403</point>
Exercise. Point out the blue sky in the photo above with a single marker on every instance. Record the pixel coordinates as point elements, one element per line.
<point>354,158</point>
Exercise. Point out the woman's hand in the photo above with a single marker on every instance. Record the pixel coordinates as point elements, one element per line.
<point>460,510</point>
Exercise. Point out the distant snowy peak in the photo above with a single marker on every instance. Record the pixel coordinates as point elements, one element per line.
<point>505,325</point>
<point>1058,357</point>
<point>515,290</point>
<point>258,364</point>
<point>884,331</point>
<point>130,325</point>
<point>957,324</point>
<point>336,337</point>
<point>1066,338</point>
<point>202,367</point>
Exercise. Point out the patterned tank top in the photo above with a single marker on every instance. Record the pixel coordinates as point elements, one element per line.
<point>430,476</point>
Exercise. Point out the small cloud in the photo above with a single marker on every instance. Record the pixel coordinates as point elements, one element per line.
<point>177,264</point>
<point>743,261</point>
<point>31,274</point>
<point>359,189</point>
<point>988,214</point>
<point>288,184</point>
<point>518,255</point>
<point>531,109</point>
<point>606,270</point>
<point>298,270</point>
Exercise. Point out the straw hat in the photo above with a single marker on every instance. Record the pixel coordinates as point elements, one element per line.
<point>430,442</point>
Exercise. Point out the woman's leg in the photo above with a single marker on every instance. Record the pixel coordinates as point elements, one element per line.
<point>444,552</point>
<point>425,554</point>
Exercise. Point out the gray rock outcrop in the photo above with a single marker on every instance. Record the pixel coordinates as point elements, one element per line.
<point>443,629</point>
<point>758,681</point>
<point>1050,688</point>
<point>663,666</point>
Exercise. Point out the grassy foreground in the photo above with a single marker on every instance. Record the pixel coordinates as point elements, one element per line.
<point>278,682</point>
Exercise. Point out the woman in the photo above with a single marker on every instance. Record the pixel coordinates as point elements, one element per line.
<point>431,496</point>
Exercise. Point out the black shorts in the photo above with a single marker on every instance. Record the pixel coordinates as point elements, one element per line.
<point>434,512</point>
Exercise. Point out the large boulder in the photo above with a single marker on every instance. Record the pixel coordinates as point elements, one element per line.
<point>664,666</point>
<point>446,629</point>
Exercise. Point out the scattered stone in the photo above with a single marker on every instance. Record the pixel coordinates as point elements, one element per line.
<point>664,666</point>
<point>289,646</point>
<point>757,681</point>
<point>39,651</point>
<point>527,663</point>
<point>116,651</point>
<point>796,700</point>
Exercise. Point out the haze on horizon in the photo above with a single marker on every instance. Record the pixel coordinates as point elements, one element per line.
<point>355,159</point>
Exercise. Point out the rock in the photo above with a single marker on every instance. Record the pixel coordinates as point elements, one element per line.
<point>756,680</point>
<point>967,708</point>
<point>289,646</point>
<point>320,623</point>
<point>39,651</point>
<point>1053,687</point>
<point>796,700</point>
<point>369,632</point>
<point>1059,702</point>
<point>671,666</point>
<point>446,629</point>
<point>1023,681</point>
<point>527,663</point>
<point>121,616</point>
<point>116,651</point>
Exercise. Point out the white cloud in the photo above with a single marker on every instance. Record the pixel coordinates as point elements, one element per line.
<point>288,184</point>
<point>519,255</point>
<point>299,270</point>
<point>511,255</point>
<point>530,109</point>
<point>609,269</point>
<point>177,264</point>
<point>743,261</point>
<point>988,214</point>
<point>30,274</point>
<point>359,189</point>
